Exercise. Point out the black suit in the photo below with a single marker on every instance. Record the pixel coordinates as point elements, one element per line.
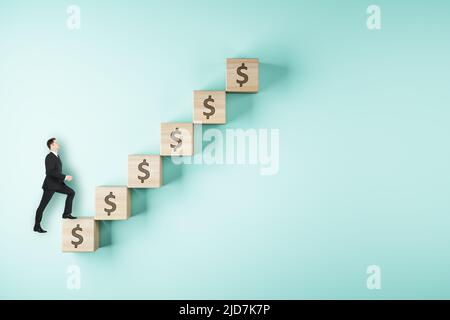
<point>54,182</point>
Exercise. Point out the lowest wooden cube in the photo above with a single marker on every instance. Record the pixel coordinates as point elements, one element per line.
<point>112,203</point>
<point>209,107</point>
<point>177,139</point>
<point>80,235</point>
<point>144,171</point>
<point>242,75</point>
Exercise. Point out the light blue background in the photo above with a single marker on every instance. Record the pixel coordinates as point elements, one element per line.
<point>364,148</point>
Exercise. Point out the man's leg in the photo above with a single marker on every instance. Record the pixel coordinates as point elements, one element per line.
<point>46,197</point>
<point>69,200</point>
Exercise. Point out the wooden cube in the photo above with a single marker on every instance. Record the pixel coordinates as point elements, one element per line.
<point>210,107</point>
<point>177,139</point>
<point>80,235</point>
<point>242,75</point>
<point>112,203</point>
<point>144,171</point>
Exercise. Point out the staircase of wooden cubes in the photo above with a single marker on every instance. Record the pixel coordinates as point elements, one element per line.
<point>145,171</point>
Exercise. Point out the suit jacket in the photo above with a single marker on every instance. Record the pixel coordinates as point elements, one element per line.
<point>54,179</point>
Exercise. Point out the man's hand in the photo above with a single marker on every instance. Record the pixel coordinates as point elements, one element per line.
<point>68,178</point>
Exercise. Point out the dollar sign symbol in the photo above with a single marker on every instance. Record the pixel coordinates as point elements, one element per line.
<point>212,110</point>
<point>78,236</point>
<point>243,75</point>
<point>176,139</point>
<point>109,202</point>
<point>144,171</point>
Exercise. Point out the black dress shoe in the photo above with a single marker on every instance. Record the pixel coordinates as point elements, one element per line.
<point>37,228</point>
<point>68,216</point>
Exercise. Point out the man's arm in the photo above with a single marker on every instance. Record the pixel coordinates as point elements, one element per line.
<point>50,169</point>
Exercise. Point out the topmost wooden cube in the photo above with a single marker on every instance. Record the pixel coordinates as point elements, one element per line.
<point>242,75</point>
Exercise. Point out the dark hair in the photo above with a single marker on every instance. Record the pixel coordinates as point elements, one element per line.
<point>50,142</point>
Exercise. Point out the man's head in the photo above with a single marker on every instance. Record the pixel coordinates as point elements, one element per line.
<point>52,144</point>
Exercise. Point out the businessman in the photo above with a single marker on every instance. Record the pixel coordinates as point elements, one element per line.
<point>54,182</point>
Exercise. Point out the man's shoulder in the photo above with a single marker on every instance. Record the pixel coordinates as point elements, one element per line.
<point>49,155</point>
